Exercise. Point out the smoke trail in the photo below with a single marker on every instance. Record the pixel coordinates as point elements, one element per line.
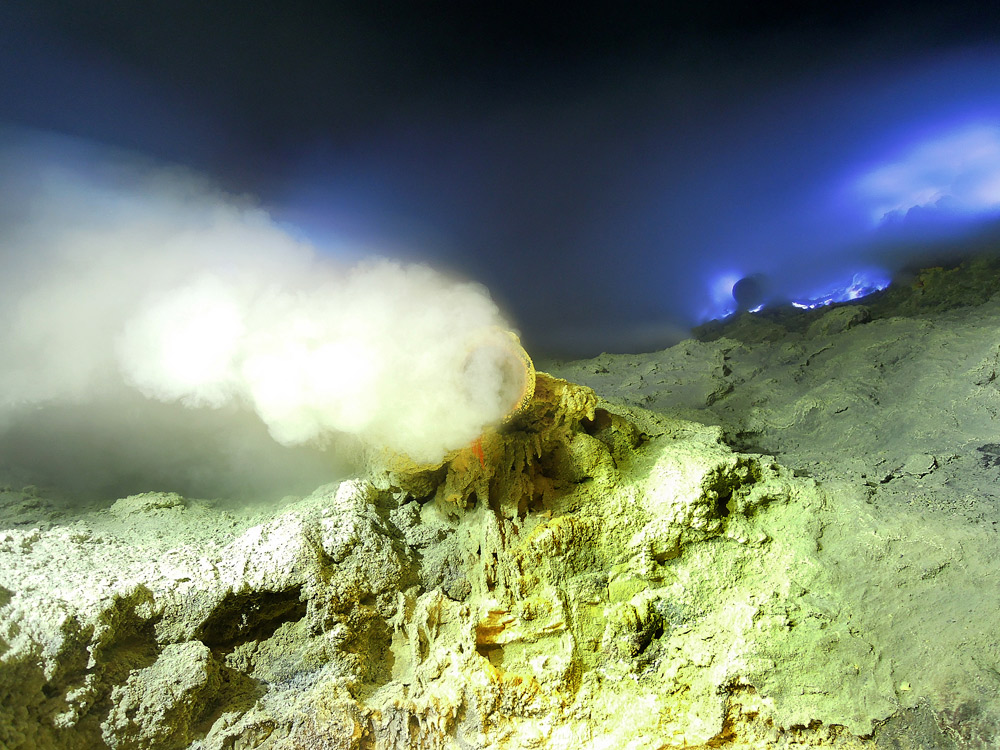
<point>117,273</point>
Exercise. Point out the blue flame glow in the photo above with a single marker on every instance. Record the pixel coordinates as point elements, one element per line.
<point>861,285</point>
<point>721,302</point>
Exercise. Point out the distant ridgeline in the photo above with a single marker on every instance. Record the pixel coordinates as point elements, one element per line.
<point>959,283</point>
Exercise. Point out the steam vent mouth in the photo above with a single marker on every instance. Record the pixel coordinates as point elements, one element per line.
<point>497,375</point>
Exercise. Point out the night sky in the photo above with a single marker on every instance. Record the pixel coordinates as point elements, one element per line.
<point>607,171</point>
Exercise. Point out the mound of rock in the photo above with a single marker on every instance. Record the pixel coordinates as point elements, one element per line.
<point>603,577</point>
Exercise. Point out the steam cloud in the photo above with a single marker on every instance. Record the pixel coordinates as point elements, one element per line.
<point>120,276</point>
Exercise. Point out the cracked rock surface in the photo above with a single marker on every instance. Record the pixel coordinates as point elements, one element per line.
<point>790,542</point>
<point>892,408</point>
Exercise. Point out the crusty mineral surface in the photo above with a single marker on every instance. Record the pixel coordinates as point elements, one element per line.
<point>604,570</point>
<point>604,578</point>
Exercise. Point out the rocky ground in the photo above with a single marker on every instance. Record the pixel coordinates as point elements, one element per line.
<point>781,535</point>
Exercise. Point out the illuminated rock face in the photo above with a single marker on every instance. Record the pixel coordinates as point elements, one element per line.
<point>611,578</point>
<point>605,577</point>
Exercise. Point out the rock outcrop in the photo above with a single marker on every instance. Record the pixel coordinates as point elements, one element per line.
<point>605,577</point>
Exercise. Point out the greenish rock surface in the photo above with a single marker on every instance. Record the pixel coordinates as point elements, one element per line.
<point>780,544</point>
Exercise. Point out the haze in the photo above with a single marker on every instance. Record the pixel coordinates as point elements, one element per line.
<point>607,176</point>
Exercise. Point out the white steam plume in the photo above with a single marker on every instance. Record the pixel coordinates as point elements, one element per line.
<point>119,272</point>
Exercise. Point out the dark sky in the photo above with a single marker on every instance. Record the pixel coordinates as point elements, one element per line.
<point>600,167</point>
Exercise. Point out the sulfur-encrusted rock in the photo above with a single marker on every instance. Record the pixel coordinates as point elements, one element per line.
<point>605,577</point>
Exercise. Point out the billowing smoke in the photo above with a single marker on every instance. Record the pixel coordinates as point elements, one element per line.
<point>120,277</point>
